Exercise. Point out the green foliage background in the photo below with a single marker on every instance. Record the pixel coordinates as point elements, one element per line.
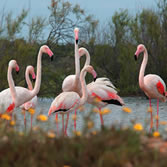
<point>111,45</point>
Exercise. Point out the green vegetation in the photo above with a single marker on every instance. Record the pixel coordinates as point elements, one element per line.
<point>111,45</point>
<point>108,147</point>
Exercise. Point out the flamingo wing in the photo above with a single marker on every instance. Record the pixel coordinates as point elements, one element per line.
<point>66,101</point>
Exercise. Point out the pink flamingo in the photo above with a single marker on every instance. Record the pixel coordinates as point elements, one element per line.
<point>72,82</point>
<point>16,96</point>
<point>102,89</point>
<point>69,101</point>
<point>33,102</point>
<point>152,85</point>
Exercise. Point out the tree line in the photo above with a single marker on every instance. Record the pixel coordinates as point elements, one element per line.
<point>111,45</point>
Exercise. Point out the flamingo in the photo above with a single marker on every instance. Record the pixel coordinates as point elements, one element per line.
<point>152,85</point>
<point>69,101</point>
<point>33,102</point>
<point>101,89</point>
<point>16,96</point>
<point>72,82</point>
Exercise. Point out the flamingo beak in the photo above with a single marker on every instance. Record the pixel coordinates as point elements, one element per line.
<point>50,112</point>
<point>94,75</point>
<point>135,57</point>
<point>17,69</point>
<point>51,58</point>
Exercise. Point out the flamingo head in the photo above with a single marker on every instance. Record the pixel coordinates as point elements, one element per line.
<point>91,70</point>
<point>76,32</point>
<point>140,48</point>
<point>82,51</point>
<point>46,49</point>
<point>31,70</point>
<point>14,64</point>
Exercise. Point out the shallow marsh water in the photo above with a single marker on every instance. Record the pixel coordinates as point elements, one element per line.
<point>139,106</point>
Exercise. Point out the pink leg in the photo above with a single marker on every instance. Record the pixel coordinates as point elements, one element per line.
<point>157,114</point>
<point>101,117</point>
<point>25,119</point>
<point>63,124</point>
<point>57,124</point>
<point>66,123</point>
<point>151,116</point>
<point>75,120</point>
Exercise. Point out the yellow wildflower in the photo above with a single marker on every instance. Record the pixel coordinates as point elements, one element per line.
<point>77,133</point>
<point>163,122</point>
<point>21,134</point>
<point>74,117</point>
<point>105,111</point>
<point>51,134</point>
<point>94,132</point>
<point>6,117</point>
<point>42,118</point>
<point>156,134</point>
<point>126,109</point>
<point>95,110</point>
<point>97,100</point>
<point>81,108</point>
<point>90,124</point>
<point>138,127</point>
<point>156,117</point>
<point>31,111</point>
<point>12,123</point>
<point>149,109</point>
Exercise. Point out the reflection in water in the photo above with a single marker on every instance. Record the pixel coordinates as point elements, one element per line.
<point>139,113</point>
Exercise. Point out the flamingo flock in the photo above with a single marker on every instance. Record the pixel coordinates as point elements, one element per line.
<point>75,91</point>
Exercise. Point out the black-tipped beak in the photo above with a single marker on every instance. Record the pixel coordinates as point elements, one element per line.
<point>135,56</point>
<point>76,41</point>
<point>17,72</point>
<point>51,58</point>
<point>95,79</point>
<point>34,80</point>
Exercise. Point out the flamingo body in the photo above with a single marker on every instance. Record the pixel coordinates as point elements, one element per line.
<point>154,87</point>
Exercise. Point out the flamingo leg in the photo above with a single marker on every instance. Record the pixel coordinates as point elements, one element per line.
<point>151,116</point>
<point>57,124</point>
<point>157,114</point>
<point>24,119</point>
<point>101,117</point>
<point>75,120</point>
<point>63,124</point>
<point>66,123</point>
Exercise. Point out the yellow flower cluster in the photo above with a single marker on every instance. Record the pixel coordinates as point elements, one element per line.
<point>138,127</point>
<point>6,117</point>
<point>74,117</point>
<point>156,134</point>
<point>105,111</point>
<point>42,118</point>
<point>31,111</point>
<point>12,123</point>
<point>94,132</point>
<point>77,133</point>
<point>90,124</point>
<point>51,134</point>
<point>149,109</point>
<point>163,122</point>
<point>126,109</point>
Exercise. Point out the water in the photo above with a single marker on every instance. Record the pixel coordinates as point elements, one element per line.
<point>139,114</point>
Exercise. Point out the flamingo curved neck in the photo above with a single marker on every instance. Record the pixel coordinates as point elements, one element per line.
<point>11,84</point>
<point>38,76</point>
<point>84,88</point>
<point>142,69</point>
<point>77,63</point>
<point>28,79</point>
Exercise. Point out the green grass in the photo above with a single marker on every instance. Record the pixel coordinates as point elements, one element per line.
<point>111,147</point>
